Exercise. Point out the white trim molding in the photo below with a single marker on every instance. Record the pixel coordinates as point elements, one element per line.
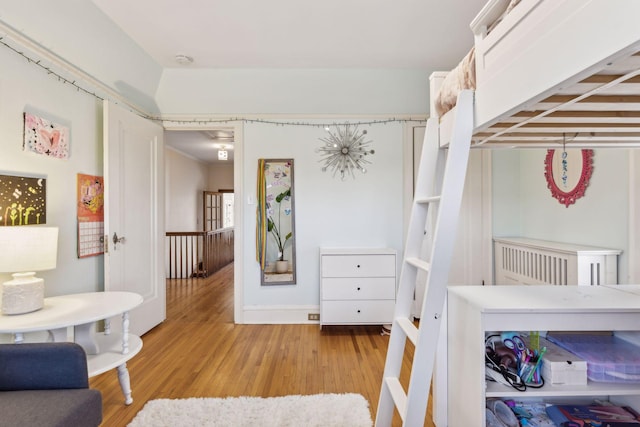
<point>280,314</point>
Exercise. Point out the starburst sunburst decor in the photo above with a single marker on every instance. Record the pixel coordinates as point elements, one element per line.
<point>345,151</point>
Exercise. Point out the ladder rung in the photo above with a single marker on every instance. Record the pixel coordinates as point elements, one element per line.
<point>421,264</point>
<point>408,328</point>
<point>397,394</point>
<point>424,200</point>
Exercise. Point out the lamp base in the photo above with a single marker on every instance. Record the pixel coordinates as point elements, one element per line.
<point>23,294</point>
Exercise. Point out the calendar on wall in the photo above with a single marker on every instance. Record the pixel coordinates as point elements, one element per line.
<point>90,215</point>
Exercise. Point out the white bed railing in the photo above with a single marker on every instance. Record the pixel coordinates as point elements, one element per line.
<point>521,261</point>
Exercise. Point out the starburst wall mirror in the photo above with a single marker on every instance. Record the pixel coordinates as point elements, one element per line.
<point>345,151</point>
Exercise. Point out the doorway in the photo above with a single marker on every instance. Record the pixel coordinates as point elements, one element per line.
<point>192,167</point>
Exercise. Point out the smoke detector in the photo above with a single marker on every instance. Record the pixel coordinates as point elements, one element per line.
<point>184,59</point>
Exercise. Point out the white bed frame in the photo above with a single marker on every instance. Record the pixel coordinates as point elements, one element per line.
<point>581,67</point>
<point>581,87</point>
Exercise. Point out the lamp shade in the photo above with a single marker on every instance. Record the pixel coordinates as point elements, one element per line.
<point>28,248</point>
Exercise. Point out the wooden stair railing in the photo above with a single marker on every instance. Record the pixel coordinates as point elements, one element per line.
<point>198,253</point>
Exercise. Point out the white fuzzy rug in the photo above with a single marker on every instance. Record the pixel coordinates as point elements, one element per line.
<point>319,410</point>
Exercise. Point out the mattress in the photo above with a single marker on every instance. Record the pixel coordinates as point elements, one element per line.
<point>463,76</point>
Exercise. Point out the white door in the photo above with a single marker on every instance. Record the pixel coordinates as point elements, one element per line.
<point>134,213</point>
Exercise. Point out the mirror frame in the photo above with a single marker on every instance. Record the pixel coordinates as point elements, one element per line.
<point>275,187</point>
<point>568,197</point>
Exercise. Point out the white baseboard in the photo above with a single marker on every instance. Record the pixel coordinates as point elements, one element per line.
<point>275,314</point>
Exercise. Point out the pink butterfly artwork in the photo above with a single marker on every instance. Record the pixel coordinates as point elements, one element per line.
<point>45,137</point>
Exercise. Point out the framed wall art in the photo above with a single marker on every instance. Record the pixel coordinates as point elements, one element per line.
<point>23,200</point>
<point>45,137</point>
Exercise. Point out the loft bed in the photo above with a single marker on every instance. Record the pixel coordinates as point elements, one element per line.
<point>544,73</point>
<point>548,72</point>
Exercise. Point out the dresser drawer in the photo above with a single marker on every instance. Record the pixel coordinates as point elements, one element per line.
<point>359,265</point>
<point>357,312</point>
<point>340,288</point>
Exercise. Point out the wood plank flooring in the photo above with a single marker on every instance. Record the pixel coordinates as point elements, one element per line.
<point>199,352</point>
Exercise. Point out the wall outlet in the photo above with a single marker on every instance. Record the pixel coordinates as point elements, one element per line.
<point>314,316</point>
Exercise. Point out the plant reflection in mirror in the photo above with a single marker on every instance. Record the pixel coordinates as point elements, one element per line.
<point>274,229</point>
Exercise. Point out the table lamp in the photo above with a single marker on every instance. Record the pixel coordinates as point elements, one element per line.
<point>25,250</point>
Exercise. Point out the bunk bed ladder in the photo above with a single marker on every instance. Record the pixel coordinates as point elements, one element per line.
<point>442,171</point>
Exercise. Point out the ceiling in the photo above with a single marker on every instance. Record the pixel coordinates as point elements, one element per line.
<point>414,34</point>
<point>202,145</point>
<point>299,33</point>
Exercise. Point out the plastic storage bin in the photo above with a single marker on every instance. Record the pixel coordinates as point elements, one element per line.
<point>609,358</point>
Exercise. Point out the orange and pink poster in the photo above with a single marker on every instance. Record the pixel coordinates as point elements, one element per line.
<point>90,215</point>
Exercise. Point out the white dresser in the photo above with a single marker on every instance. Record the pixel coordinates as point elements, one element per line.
<point>357,286</point>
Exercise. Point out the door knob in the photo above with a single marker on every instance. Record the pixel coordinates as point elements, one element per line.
<point>117,240</point>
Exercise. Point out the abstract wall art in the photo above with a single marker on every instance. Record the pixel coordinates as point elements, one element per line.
<point>45,137</point>
<point>23,200</point>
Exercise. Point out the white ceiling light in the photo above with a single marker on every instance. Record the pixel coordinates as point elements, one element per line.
<point>222,153</point>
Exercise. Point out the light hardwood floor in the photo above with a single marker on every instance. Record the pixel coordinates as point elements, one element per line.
<point>199,352</point>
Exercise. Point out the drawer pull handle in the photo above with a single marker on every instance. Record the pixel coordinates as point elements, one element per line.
<point>358,287</point>
<point>358,265</point>
<point>358,311</point>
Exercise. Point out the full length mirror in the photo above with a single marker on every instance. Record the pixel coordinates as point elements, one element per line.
<point>276,224</point>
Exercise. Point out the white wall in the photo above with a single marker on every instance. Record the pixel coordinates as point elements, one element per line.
<point>220,177</point>
<point>366,211</point>
<point>361,212</point>
<point>80,33</point>
<point>523,204</point>
<point>185,181</point>
<point>24,86</point>
<point>507,192</point>
<point>288,92</point>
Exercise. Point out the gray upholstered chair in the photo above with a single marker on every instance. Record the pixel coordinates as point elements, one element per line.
<point>46,384</point>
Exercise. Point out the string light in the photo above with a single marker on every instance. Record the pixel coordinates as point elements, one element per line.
<point>326,126</point>
<point>38,63</point>
<point>210,121</point>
